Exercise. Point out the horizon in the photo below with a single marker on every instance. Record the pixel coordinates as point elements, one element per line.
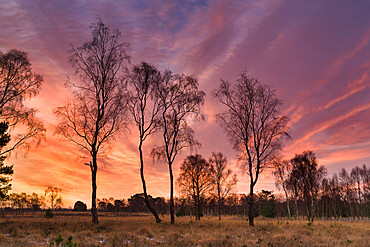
<point>316,57</point>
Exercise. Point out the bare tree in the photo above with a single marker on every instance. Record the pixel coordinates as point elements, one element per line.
<point>144,107</point>
<point>97,112</point>
<point>36,201</point>
<point>334,193</point>
<point>347,188</point>
<point>253,124</point>
<point>344,194</point>
<point>365,179</point>
<point>356,179</point>
<point>17,84</point>
<point>293,185</point>
<point>195,181</point>
<point>53,195</point>
<point>281,172</point>
<point>179,99</point>
<point>223,179</point>
<point>305,168</point>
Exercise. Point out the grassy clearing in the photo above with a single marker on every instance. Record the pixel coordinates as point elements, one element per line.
<point>143,231</point>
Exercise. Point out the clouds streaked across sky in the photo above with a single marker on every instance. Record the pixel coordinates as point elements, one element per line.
<point>316,54</point>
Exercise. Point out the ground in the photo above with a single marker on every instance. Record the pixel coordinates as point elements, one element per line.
<point>141,230</point>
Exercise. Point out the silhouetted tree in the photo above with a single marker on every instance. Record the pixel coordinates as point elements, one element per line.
<point>365,180</point>
<point>344,195</point>
<point>80,206</point>
<point>195,181</point>
<point>23,201</point>
<point>5,171</point>
<point>110,207</point>
<point>144,107</point>
<point>222,178</point>
<point>97,112</point>
<point>305,168</point>
<point>137,203</point>
<point>179,99</point>
<point>119,205</point>
<point>293,185</point>
<point>102,205</point>
<point>18,200</point>
<point>356,178</point>
<point>54,197</point>
<point>36,201</point>
<point>347,187</point>
<point>253,124</point>
<point>17,84</point>
<point>334,195</point>
<point>281,172</point>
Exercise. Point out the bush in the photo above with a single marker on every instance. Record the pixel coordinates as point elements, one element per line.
<point>59,242</point>
<point>49,214</point>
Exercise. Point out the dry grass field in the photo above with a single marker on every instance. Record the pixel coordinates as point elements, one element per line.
<point>141,230</point>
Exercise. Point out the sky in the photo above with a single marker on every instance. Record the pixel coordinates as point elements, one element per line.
<point>315,54</point>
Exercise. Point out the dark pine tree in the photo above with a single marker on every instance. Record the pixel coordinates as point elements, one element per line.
<point>5,171</point>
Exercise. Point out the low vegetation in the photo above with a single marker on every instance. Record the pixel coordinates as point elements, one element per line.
<point>140,230</point>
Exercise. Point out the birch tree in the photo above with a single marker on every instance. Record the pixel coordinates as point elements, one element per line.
<point>97,112</point>
<point>253,124</point>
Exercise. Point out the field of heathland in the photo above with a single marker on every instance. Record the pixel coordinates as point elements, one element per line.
<point>76,229</point>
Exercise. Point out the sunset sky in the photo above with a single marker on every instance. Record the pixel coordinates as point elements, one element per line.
<point>316,54</point>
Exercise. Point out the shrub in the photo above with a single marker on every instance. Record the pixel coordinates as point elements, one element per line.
<point>49,214</point>
<point>59,242</point>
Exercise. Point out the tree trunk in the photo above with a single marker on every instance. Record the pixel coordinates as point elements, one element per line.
<point>296,207</point>
<point>52,201</point>
<point>219,201</point>
<point>172,205</point>
<point>196,211</point>
<point>359,199</point>
<point>312,208</point>
<point>199,211</point>
<point>151,209</point>
<point>287,201</point>
<point>250,208</point>
<point>219,209</point>
<point>94,212</point>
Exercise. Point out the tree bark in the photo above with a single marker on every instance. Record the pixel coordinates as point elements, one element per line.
<point>94,212</point>
<point>250,208</point>
<point>287,201</point>
<point>197,205</point>
<point>172,205</point>
<point>312,208</point>
<point>359,199</point>
<point>296,207</point>
<point>151,209</point>
<point>199,210</point>
<point>219,200</point>
<point>219,209</point>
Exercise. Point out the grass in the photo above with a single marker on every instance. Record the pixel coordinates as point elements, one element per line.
<point>141,230</point>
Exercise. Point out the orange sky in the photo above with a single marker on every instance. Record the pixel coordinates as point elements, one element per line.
<point>314,53</point>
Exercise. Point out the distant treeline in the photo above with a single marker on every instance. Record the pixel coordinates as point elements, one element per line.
<point>33,202</point>
<point>345,194</point>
